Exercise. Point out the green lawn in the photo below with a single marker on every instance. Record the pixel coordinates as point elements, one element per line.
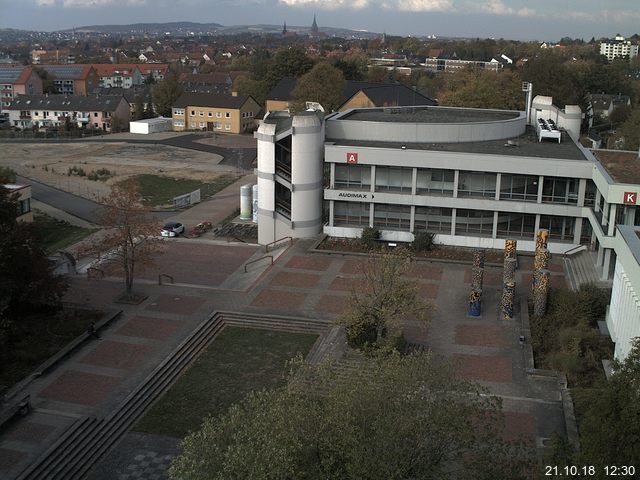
<point>57,234</point>
<point>158,190</point>
<point>238,361</point>
<point>38,337</point>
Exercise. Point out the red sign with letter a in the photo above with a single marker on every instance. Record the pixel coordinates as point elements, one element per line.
<point>352,158</point>
<point>630,198</point>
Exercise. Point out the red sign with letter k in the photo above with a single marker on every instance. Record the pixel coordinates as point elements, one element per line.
<point>630,198</point>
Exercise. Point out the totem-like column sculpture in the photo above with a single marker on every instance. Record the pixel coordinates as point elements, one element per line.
<point>540,262</point>
<point>508,279</point>
<point>542,238</point>
<point>477,274</point>
<point>541,293</point>
<point>508,296</point>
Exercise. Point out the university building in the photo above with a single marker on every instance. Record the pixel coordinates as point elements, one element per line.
<point>473,177</point>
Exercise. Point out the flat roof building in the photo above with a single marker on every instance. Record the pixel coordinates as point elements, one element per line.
<point>472,177</point>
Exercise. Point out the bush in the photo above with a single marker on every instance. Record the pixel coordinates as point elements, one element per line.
<point>422,242</point>
<point>7,175</point>
<point>370,237</point>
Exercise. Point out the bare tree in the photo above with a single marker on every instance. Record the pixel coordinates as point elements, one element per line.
<point>132,237</point>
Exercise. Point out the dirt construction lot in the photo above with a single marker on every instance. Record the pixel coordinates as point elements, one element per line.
<point>50,164</point>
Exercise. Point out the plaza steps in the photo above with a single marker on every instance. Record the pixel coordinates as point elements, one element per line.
<point>581,270</point>
<point>89,438</point>
<point>82,446</point>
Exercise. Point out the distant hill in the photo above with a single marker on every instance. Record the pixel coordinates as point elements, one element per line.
<point>152,28</point>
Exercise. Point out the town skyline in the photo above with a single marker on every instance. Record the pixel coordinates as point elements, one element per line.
<point>513,19</point>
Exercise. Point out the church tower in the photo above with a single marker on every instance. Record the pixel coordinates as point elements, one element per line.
<point>314,25</point>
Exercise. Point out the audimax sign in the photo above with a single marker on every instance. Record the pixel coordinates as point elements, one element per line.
<point>364,196</point>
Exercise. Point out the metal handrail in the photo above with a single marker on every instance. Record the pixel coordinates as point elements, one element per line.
<point>571,250</point>
<point>257,260</point>
<point>164,275</point>
<point>266,247</point>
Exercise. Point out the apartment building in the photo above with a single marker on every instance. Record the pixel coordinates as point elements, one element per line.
<point>118,75</point>
<point>42,111</point>
<point>73,79</point>
<point>17,80</point>
<point>618,48</point>
<point>214,112</point>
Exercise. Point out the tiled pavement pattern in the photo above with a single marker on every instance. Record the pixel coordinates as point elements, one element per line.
<point>147,466</point>
<point>99,376</point>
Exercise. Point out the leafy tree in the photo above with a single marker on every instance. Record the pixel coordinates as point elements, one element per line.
<point>610,425</point>
<point>620,114</point>
<point>552,77</point>
<point>149,112</point>
<point>483,89</point>
<point>258,89</point>
<point>132,239</point>
<point>7,174</point>
<point>47,80</point>
<point>138,108</point>
<point>289,62</point>
<point>165,93</point>
<point>353,67</point>
<point>369,237</point>
<point>323,84</point>
<point>630,130</point>
<point>394,418</point>
<point>27,282</point>
<point>422,241</point>
<point>378,304</point>
<point>117,124</point>
<point>150,80</point>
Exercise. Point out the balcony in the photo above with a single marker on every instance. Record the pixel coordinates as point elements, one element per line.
<point>25,117</point>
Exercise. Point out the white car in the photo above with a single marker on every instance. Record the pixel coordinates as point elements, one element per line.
<point>172,229</point>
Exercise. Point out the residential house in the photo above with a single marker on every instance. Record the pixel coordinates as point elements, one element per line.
<point>119,75</point>
<point>602,105</point>
<point>158,71</point>
<point>94,111</point>
<point>73,79</point>
<point>214,112</point>
<point>216,82</point>
<point>354,95</point>
<point>17,80</point>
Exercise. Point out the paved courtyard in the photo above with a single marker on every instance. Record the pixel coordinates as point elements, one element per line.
<point>96,378</point>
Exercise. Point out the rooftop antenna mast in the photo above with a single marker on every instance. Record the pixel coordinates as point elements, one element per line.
<point>528,88</point>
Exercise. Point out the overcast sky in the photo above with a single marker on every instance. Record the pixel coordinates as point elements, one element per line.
<point>513,19</point>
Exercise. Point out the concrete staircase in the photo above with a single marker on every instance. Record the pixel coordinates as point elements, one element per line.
<point>89,438</point>
<point>581,270</point>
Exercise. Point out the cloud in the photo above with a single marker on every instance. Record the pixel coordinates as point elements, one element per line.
<point>89,3</point>
<point>45,3</point>
<point>497,7</point>
<point>327,4</point>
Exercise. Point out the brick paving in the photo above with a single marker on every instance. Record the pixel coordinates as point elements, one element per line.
<point>80,387</point>
<point>491,277</point>
<point>9,458</point>
<point>148,327</point>
<point>176,304</point>
<point>519,425</point>
<point>484,367</point>
<point>352,266</point>
<point>29,430</point>
<point>279,299</point>
<point>296,280</point>
<point>331,304</point>
<point>344,284</point>
<point>428,290</point>
<point>309,263</point>
<point>116,355</point>
<point>426,271</point>
<point>481,335</point>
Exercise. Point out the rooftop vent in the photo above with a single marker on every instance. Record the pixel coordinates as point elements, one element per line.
<point>512,143</point>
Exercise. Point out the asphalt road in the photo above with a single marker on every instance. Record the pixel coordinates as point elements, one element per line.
<point>78,206</point>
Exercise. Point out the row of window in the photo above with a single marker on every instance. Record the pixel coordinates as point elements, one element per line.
<point>438,220</point>
<point>470,184</point>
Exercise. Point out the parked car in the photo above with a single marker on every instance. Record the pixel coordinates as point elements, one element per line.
<point>172,229</point>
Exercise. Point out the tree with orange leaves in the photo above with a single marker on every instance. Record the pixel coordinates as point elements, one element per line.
<point>131,238</point>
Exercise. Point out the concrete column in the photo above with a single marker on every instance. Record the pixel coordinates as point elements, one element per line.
<point>414,182</point>
<point>332,177</point>
<point>453,222</point>
<point>629,215</point>
<point>456,178</point>
<point>412,219</point>
<point>582,190</point>
<point>537,225</point>
<point>600,256</point>
<point>373,179</point>
<point>540,183</point>
<point>331,210</point>
<point>606,264</point>
<point>605,214</point>
<point>596,206</point>
<point>371,212</point>
<point>498,181</point>
<point>577,230</point>
<point>612,219</point>
<point>494,232</point>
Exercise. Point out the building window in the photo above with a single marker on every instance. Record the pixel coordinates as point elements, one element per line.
<point>178,123</point>
<point>355,177</point>
<point>560,228</point>
<point>227,115</point>
<point>95,114</point>
<point>227,126</point>
<point>201,113</point>
<point>519,187</point>
<point>193,124</point>
<point>24,206</point>
<point>435,182</point>
<point>590,194</point>
<point>209,114</point>
<point>392,217</point>
<point>201,124</point>
<point>393,179</point>
<point>432,219</point>
<point>351,213</point>
<point>218,114</point>
<point>560,190</point>
<point>178,111</point>
<point>516,225</point>
<point>477,184</point>
<point>474,222</point>
<point>193,113</point>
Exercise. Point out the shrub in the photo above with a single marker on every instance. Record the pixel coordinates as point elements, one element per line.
<point>370,237</point>
<point>422,242</point>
